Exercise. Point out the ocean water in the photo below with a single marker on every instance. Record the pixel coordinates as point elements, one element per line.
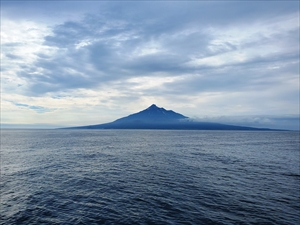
<point>149,177</point>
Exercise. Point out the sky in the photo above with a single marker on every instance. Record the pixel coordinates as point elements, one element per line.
<point>72,63</point>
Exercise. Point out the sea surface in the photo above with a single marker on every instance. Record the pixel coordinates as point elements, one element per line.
<point>149,177</point>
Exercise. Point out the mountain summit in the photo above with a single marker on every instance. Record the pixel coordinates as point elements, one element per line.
<point>159,118</point>
<point>152,114</point>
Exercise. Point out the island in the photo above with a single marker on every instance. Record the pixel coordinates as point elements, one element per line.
<point>155,117</point>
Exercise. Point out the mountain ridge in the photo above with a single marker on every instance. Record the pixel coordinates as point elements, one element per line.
<point>154,117</point>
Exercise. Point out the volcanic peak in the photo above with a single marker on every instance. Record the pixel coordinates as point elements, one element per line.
<point>153,114</point>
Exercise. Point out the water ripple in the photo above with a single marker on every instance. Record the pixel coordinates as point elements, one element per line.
<point>149,177</point>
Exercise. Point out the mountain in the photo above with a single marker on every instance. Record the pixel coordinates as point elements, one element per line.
<point>153,114</point>
<point>159,118</point>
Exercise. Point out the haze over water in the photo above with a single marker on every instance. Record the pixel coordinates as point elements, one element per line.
<point>149,177</point>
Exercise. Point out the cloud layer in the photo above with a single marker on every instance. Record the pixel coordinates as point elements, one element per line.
<point>199,58</point>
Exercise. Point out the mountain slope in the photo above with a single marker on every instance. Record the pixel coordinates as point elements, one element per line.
<point>159,118</point>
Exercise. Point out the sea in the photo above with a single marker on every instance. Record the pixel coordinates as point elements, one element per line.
<point>149,177</point>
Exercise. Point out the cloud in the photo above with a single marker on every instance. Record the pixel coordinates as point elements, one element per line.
<point>97,50</point>
<point>38,109</point>
<point>187,54</point>
<point>290,122</point>
<point>12,56</point>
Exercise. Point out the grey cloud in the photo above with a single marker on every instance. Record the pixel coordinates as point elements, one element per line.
<point>239,78</point>
<point>43,56</point>
<point>289,122</point>
<point>61,38</point>
<point>56,73</point>
<point>170,12</point>
<point>55,79</point>
<point>176,14</point>
<point>107,58</point>
<point>47,10</point>
<point>12,44</point>
<point>12,56</point>
<point>38,109</point>
<point>102,56</point>
<point>68,33</point>
<point>153,63</point>
<point>103,48</point>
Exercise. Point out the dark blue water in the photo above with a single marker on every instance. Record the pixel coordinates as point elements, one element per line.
<point>149,177</point>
